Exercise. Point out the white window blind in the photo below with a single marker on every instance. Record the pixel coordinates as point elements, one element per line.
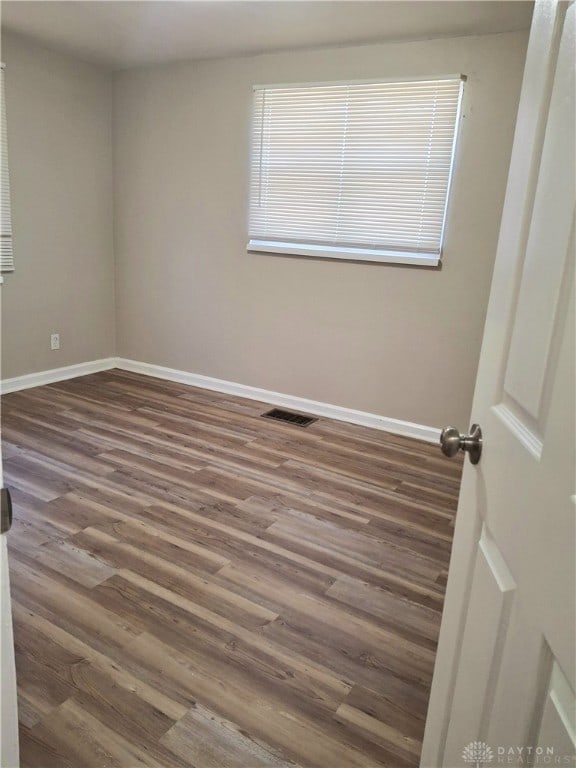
<point>6,256</point>
<point>353,170</point>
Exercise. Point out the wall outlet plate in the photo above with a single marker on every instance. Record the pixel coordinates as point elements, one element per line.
<point>54,341</point>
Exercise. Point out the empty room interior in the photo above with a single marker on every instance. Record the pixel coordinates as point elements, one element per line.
<point>283,377</point>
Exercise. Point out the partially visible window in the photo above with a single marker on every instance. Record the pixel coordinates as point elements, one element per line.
<point>354,170</point>
<point>6,256</point>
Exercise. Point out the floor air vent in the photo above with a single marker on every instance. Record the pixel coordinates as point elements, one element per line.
<point>287,416</point>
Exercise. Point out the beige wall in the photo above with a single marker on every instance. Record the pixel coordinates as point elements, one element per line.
<point>60,143</point>
<point>398,341</point>
<point>402,342</point>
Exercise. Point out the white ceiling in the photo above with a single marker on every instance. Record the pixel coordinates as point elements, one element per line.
<point>136,32</point>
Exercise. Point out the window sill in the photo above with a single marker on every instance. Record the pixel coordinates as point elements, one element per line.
<point>348,254</point>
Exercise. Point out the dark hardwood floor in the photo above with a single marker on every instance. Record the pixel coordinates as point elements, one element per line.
<point>194,586</point>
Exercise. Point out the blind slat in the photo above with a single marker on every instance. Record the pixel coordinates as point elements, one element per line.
<point>354,164</point>
<point>6,251</point>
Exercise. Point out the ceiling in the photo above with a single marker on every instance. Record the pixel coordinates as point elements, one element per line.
<point>138,32</point>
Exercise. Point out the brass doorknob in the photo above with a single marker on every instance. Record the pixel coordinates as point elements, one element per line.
<point>451,441</point>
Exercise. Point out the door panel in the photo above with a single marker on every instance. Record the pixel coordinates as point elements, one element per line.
<point>9,757</point>
<point>491,596</point>
<point>505,670</point>
<point>547,249</point>
<point>559,715</point>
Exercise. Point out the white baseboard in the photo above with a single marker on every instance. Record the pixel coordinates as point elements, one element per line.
<point>55,374</point>
<point>397,427</point>
<point>326,410</point>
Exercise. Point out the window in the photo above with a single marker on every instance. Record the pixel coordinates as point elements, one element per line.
<point>354,170</point>
<point>6,259</point>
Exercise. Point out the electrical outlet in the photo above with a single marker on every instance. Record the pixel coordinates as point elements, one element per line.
<point>54,341</point>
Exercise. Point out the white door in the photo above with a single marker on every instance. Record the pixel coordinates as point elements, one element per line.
<point>504,681</point>
<point>8,706</point>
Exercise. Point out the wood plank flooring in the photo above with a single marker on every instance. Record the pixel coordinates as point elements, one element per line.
<point>196,587</point>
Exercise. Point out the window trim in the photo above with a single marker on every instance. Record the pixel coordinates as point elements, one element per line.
<point>375,255</point>
<point>348,254</point>
<point>370,81</point>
